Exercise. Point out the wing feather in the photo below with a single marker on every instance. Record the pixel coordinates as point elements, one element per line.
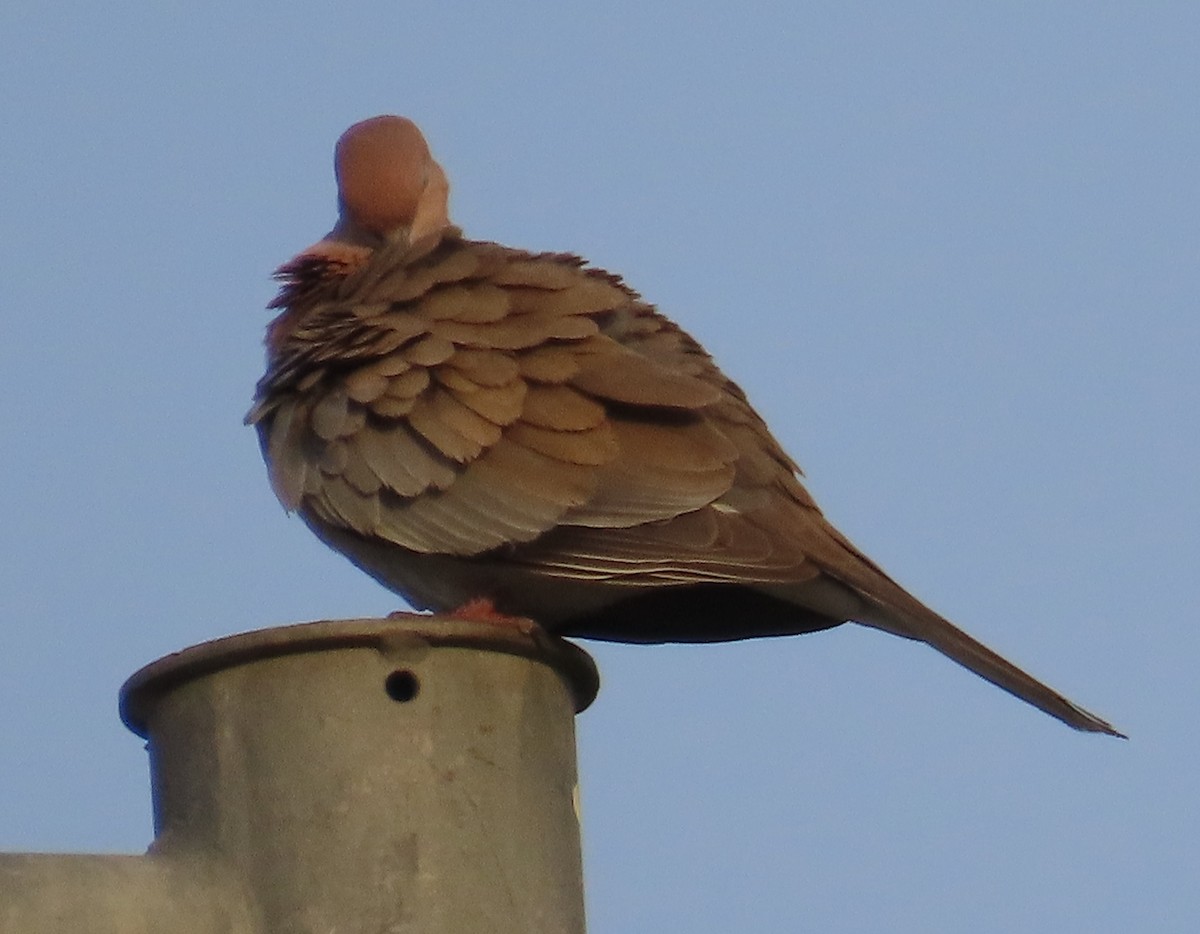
<point>499,399</point>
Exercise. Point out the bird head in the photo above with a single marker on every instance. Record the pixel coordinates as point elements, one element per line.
<point>389,186</point>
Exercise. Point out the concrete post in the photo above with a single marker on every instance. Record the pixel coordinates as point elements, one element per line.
<point>413,774</point>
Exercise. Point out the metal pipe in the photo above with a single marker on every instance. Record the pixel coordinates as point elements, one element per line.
<point>407,774</point>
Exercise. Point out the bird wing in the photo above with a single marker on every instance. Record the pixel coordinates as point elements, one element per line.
<point>478,397</point>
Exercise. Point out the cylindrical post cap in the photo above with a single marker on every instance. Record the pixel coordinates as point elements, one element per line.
<point>400,631</point>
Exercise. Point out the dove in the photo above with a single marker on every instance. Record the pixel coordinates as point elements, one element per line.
<point>476,425</point>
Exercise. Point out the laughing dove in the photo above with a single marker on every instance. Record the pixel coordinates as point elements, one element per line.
<point>466,421</point>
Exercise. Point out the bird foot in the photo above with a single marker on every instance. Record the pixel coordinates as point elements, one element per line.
<point>482,609</point>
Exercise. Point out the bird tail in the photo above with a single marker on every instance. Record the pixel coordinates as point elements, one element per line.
<point>973,655</point>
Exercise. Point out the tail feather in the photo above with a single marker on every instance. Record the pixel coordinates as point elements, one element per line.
<point>977,657</point>
<point>863,591</point>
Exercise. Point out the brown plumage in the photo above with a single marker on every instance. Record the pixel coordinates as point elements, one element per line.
<point>464,420</point>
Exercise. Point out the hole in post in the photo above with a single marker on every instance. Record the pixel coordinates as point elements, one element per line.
<point>401,685</point>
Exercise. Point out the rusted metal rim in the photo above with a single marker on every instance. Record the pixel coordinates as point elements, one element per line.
<point>523,638</point>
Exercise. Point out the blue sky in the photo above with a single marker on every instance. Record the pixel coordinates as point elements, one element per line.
<point>951,252</point>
